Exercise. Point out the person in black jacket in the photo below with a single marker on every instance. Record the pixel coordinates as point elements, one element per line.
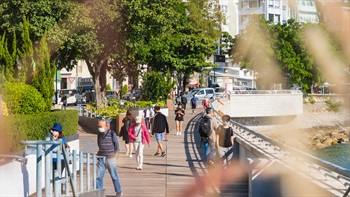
<point>127,122</point>
<point>184,101</point>
<point>159,127</point>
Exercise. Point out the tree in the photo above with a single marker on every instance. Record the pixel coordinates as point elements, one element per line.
<point>156,86</point>
<point>43,80</point>
<point>254,50</point>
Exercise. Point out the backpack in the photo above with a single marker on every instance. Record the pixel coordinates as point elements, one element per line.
<point>204,127</point>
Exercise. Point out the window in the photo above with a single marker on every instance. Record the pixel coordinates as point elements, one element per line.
<point>253,4</point>
<point>277,3</point>
<point>277,18</point>
<point>209,91</point>
<point>271,16</point>
<point>201,92</point>
<point>270,3</point>
<point>63,83</point>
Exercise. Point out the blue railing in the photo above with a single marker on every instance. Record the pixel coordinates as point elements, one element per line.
<point>54,179</point>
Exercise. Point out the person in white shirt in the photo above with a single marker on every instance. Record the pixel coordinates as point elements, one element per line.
<point>148,113</point>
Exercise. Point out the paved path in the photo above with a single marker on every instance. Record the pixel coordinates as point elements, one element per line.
<point>161,176</point>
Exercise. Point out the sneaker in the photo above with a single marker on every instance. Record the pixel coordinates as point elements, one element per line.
<point>179,133</point>
<point>156,154</point>
<point>163,154</point>
<point>119,194</point>
<point>130,156</point>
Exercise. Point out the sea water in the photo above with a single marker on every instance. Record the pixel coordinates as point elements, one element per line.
<point>338,154</point>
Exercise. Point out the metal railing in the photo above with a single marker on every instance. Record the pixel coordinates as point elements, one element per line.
<point>53,178</point>
<point>270,148</point>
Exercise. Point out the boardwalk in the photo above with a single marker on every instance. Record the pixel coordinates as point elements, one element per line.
<point>161,176</point>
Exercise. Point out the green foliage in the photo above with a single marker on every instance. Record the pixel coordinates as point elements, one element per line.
<point>125,89</point>
<point>155,86</point>
<point>312,100</point>
<point>43,81</point>
<point>333,105</point>
<point>22,99</point>
<point>108,87</point>
<point>281,56</point>
<point>26,54</point>
<point>111,112</point>
<point>15,128</point>
<point>7,60</point>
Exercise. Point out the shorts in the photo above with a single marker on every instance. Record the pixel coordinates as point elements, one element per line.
<point>194,106</point>
<point>160,137</point>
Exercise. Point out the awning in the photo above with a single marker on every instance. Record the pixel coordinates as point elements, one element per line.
<point>192,84</point>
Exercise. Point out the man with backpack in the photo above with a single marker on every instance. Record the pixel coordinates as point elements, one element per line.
<point>207,127</point>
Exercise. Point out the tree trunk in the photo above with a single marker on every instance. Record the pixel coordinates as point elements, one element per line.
<point>100,84</point>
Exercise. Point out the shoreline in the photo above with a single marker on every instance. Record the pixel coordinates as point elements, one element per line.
<point>316,128</point>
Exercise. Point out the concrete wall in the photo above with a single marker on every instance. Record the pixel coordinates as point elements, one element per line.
<point>19,179</point>
<point>261,105</point>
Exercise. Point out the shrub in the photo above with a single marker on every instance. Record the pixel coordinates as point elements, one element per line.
<point>125,89</point>
<point>112,112</point>
<point>22,99</point>
<point>108,87</point>
<point>333,105</point>
<point>312,100</point>
<point>15,128</point>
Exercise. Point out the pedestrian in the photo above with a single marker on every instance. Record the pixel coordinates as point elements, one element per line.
<point>194,104</point>
<point>179,118</point>
<point>184,101</point>
<point>64,101</point>
<point>225,141</point>
<point>107,142</point>
<point>127,122</point>
<point>178,100</point>
<point>148,113</point>
<point>208,126</point>
<point>138,134</point>
<point>159,127</point>
<point>205,102</point>
<point>56,135</point>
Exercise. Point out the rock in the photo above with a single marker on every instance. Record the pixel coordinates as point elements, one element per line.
<point>334,141</point>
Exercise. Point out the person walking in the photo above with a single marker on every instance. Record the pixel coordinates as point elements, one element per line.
<point>207,130</point>
<point>127,122</point>
<point>159,127</point>
<point>205,102</point>
<point>64,101</point>
<point>179,118</point>
<point>107,142</point>
<point>194,104</point>
<point>184,101</point>
<point>148,113</point>
<point>225,141</point>
<point>138,134</point>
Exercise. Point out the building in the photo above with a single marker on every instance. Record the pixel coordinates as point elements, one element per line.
<point>79,78</point>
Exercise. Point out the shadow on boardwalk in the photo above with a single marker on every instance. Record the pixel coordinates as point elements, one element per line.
<point>161,176</point>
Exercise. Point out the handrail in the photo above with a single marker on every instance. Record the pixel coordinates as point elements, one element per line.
<point>14,157</point>
<point>324,167</point>
<point>47,147</point>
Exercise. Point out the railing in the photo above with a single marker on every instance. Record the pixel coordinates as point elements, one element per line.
<point>309,164</point>
<point>44,150</point>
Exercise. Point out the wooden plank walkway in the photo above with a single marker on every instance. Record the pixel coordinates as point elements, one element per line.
<point>168,176</point>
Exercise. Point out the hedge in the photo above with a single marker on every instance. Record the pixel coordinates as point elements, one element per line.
<point>22,99</point>
<point>15,128</point>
